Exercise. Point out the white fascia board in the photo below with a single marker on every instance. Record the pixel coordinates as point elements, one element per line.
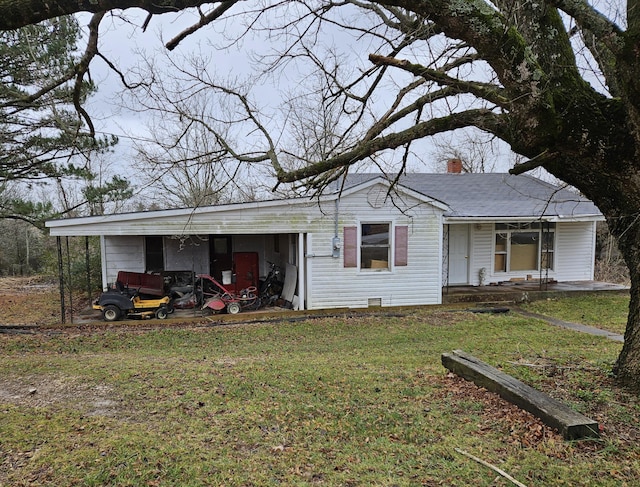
<point>361,186</point>
<point>521,219</point>
<point>74,226</point>
<point>581,218</point>
<point>400,188</point>
<point>425,198</point>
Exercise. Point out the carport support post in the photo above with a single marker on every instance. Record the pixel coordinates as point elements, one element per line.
<point>61,280</point>
<point>88,267</point>
<point>70,280</point>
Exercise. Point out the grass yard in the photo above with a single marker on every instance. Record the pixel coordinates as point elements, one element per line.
<point>353,400</point>
<point>607,310</point>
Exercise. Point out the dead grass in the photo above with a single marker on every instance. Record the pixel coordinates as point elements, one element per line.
<point>28,301</point>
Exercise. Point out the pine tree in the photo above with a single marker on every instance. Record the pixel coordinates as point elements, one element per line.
<point>41,130</point>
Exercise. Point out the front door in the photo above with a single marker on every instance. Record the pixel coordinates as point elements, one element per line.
<point>458,254</point>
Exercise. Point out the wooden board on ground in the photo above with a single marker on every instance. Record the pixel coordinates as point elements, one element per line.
<point>571,424</point>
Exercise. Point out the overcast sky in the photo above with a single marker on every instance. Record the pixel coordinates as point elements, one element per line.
<point>123,43</point>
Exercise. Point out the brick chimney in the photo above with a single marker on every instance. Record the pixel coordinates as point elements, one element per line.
<point>454,166</point>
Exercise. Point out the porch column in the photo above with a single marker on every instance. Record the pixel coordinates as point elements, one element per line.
<point>301,274</point>
<point>63,311</point>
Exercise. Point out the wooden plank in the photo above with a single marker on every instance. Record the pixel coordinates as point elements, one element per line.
<point>290,280</point>
<point>571,424</point>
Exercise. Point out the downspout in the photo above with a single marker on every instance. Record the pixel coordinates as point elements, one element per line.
<point>335,252</point>
<point>304,245</point>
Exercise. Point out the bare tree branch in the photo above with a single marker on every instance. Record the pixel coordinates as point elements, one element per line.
<point>481,117</point>
<point>215,14</point>
<point>485,91</point>
<point>83,67</point>
<point>533,163</point>
<point>15,15</point>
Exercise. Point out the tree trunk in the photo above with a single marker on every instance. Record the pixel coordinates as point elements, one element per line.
<point>605,170</point>
<point>627,367</point>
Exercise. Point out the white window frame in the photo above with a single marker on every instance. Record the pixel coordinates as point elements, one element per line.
<point>511,228</point>
<point>388,245</point>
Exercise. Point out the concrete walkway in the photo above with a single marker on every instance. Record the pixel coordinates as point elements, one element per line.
<point>572,326</point>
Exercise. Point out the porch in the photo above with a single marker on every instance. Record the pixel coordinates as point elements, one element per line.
<point>519,291</point>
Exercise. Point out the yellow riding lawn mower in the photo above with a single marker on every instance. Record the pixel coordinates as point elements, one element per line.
<point>122,302</point>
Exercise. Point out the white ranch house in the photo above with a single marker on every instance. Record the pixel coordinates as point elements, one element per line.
<point>366,245</point>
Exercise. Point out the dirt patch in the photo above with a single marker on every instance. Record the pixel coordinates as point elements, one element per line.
<point>35,301</point>
<point>30,285</point>
<point>28,301</point>
<point>32,301</point>
<point>62,392</point>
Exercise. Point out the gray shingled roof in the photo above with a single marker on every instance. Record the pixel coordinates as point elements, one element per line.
<point>493,195</point>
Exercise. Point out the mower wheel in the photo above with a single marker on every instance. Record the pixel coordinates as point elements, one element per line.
<point>162,312</point>
<point>233,308</point>
<point>111,313</point>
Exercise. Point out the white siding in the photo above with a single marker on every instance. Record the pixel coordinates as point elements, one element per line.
<point>123,253</point>
<point>575,251</point>
<point>574,254</point>
<point>328,283</point>
<point>331,285</point>
<point>483,257</point>
<point>482,254</point>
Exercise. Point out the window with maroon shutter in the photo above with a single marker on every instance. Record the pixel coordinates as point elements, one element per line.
<point>350,246</point>
<point>375,246</point>
<point>401,245</point>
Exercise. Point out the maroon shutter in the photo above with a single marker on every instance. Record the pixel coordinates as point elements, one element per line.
<point>401,245</point>
<point>351,246</point>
